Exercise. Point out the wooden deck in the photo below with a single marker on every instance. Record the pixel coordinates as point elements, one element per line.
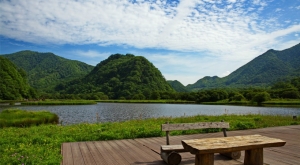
<point>146,150</point>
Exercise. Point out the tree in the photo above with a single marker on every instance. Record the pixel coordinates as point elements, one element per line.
<point>261,97</point>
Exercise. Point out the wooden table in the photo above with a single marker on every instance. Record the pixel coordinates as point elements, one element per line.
<point>253,145</point>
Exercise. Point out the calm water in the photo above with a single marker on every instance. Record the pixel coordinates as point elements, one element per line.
<point>71,114</point>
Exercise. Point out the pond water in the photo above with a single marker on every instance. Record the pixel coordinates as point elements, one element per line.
<point>104,112</point>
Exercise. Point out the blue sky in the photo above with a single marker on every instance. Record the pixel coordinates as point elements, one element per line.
<point>186,40</point>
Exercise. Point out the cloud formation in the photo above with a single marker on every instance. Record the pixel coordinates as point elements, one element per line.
<point>226,30</point>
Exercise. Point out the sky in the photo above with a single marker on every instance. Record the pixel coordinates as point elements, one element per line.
<point>186,40</point>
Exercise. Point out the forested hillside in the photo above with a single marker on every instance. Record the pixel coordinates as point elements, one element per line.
<point>177,86</point>
<point>13,82</point>
<point>120,77</point>
<point>46,70</point>
<point>264,70</point>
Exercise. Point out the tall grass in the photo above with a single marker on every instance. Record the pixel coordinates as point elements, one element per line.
<point>60,102</point>
<point>148,101</point>
<point>21,118</point>
<point>42,144</point>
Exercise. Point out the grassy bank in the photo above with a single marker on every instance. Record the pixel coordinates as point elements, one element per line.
<point>295,102</point>
<point>60,102</point>
<point>41,144</point>
<point>148,101</point>
<point>21,118</point>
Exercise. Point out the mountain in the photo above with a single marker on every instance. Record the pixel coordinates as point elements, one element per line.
<point>121,76</point>
<point>264,70</point>
<point>46,70</point>
<point>177,86</point>
<point>13,82</point>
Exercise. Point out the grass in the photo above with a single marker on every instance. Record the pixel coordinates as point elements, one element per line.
<point>148,101</point>
<point>60,102</point>
<point>21,118</point>
<point>42,144</point>
<point>295,102</point>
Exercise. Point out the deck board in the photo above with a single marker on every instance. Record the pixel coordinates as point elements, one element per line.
<point>146,150</point>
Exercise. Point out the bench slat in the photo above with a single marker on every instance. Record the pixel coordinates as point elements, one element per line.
<point>190,126</point>
<point>170,148</point>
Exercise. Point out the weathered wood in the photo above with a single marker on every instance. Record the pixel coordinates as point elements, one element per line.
<point>170,148</point>
<point>230,144</point>
<point>148,149</point>
<point>254,157</point>
<point>232,155</point>
<point>204,159</point>
<point>172,158</point>
<point>190,126</point>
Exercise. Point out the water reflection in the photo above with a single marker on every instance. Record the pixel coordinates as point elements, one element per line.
<point>104,112</point>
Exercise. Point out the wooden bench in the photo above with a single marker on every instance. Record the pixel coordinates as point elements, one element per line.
<point>253,145</point>
<point>170,153</point>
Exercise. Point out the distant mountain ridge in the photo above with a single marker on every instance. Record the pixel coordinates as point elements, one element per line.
<point>177,86</point>
<point>263,70</point>
<point>46,70</point>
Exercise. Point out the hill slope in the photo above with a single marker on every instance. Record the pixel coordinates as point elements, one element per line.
<point>13,82</point>
<point>46,70</point>
<point>177,86</point>
<point>120,76</point>
<point>264,70</point>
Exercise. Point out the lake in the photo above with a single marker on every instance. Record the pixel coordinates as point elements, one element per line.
<point>104,112</point>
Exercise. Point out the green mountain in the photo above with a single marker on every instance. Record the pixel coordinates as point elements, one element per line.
<point>264,70</point>
<point>46,70</point>
<point>177,86</point>
<point>121,76</point>
<point>13,82</point>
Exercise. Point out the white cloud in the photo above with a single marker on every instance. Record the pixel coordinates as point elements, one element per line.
<point>232,30</point>
<point>91,53</point>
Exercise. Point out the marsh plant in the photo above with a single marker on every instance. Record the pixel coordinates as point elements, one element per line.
<point>22,118</point>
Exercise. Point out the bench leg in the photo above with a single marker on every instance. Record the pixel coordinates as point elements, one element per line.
<point>254,157</point>
<point>204,159</point>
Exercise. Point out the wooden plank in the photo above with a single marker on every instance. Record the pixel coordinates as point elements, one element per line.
<point>111,156</point>
<point>177,148</point>
<point>67,154</point>
<point>77,156</point>
<point>86,154</point>
<point>148,149</point>
<point>190,126</point>
<point>230,144</point>
<point>98,156</point>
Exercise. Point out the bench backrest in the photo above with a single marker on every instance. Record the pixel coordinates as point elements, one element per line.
<point>190,126</point>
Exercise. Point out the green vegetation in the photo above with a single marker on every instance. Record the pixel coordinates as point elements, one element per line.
<point>42,144</point>
<point>120,77</point>
<point>13,82</point>
<point>271,76</point>
<point>177,86</point>
<point>264,70</point>
<point>21,118</point>
<point>60,102</point>
<point>46,70</point>
<point>148,101</point>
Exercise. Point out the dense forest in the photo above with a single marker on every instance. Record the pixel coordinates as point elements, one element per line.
<point>46,70</point>
<point>264,70</point>
<point>120,77</point>
<point>13,82</point>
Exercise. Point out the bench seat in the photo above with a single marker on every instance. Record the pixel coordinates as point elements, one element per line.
<point>170,148</point>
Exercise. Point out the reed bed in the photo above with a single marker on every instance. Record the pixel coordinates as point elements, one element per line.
<point>148,101</point>
<point>60,102</point>
<point>42,144</point>
<point>21,118</point>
